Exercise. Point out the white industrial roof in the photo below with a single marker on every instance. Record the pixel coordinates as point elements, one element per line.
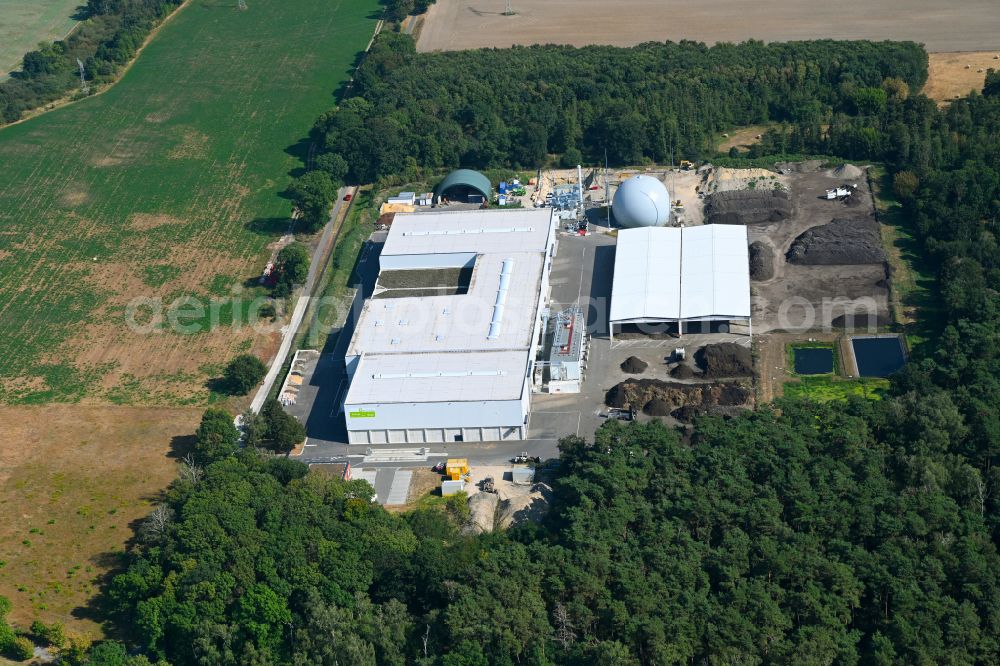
<point>441,377</point>
<point>692,273</point>
<point>448,232</point>
<point>459,322</point>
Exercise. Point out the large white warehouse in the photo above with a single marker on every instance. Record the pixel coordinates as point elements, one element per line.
<point>671,275</point>
<point>427,366</point>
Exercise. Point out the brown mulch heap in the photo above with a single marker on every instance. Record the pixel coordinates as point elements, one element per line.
<point>854,200</point>
<point>688,413</point>
<point>682,371</point>
<point>725,359</point>
<point>761,261</point>
<point>747,207</point>
<point>841,242</point>
<point>637,394</point>
<point>658,407</point>
<point>634,365</point>
<point>862,320</point>
<point>616,396</point>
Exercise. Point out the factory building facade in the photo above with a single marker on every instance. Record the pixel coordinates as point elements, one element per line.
<point>445,349</point>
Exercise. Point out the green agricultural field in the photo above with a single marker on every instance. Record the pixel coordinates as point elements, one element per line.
<point>25,23</point>
<point>165,186</point>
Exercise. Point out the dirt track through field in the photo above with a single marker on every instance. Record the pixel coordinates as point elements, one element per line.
<point>963,25</point>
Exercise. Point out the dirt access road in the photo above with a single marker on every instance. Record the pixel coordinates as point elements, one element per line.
<point>962,25</point>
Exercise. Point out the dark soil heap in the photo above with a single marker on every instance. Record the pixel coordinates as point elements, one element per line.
<point>682,371</point>
<point>747,207</point>
<point>841,242</point>
<point>638,393</point>
<point>689,413</point>
<point>658,407</point>
<point>860,321</point>
<point>761,261</point>
<point>634,365</point>
<point>725,359</point>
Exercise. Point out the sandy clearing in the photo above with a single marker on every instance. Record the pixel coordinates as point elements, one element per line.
<point>963,25</point>
<point>742,138</point>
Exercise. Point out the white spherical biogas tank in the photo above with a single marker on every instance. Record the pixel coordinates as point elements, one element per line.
<point>641,201</point>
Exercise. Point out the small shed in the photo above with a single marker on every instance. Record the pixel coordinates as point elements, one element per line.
<point>522,475</point>
<point>449,488</point>
<point>404,198</point>
<point>464,185</point>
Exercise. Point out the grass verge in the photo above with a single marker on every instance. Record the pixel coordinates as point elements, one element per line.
<point>912,287</point>
<point>827,388</point>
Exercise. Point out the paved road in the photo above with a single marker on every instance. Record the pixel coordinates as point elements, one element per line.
<point>322,392</point>
<point>329,236</point>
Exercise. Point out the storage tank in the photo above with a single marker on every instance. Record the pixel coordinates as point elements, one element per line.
<point>641,201</point>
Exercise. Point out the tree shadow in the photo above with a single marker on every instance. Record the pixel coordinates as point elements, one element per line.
<point>600,289</point>
<point>268,226</point>
<point>304,151</point>
<point>220,386</point>
<point>181,446</point>
<point>81,13</point>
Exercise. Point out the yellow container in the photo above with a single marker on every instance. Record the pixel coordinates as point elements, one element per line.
<point>456,468</point>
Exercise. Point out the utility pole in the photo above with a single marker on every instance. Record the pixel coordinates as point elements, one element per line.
<point>84,86</point>
<point>510,8</point>
<point>607,187</point>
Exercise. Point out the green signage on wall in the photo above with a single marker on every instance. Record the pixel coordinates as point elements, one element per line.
<point>362,415</point>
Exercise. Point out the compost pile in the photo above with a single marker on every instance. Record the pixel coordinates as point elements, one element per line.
<point>848,172</point>
<point>725,359</point>
<point>654,395</point>
<point>747,207</point>
<point>854,199</point>
<point>682,371</point>
<point>634,365</point>
<point>482,513</point>
<point>841,242</point>
<point>658,407</point>
<point>518,509</point>
<point>860,320</point>
<point>761,261</point>
<point>688,413</point>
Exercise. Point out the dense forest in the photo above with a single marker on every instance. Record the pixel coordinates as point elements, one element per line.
<point>513,107</point>
<point>108,37</point>
<point>862,532</point>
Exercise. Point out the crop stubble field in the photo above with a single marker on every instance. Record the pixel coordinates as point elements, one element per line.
<point>961,25</point>
<point>157,189</point>
<point>24,23</point>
